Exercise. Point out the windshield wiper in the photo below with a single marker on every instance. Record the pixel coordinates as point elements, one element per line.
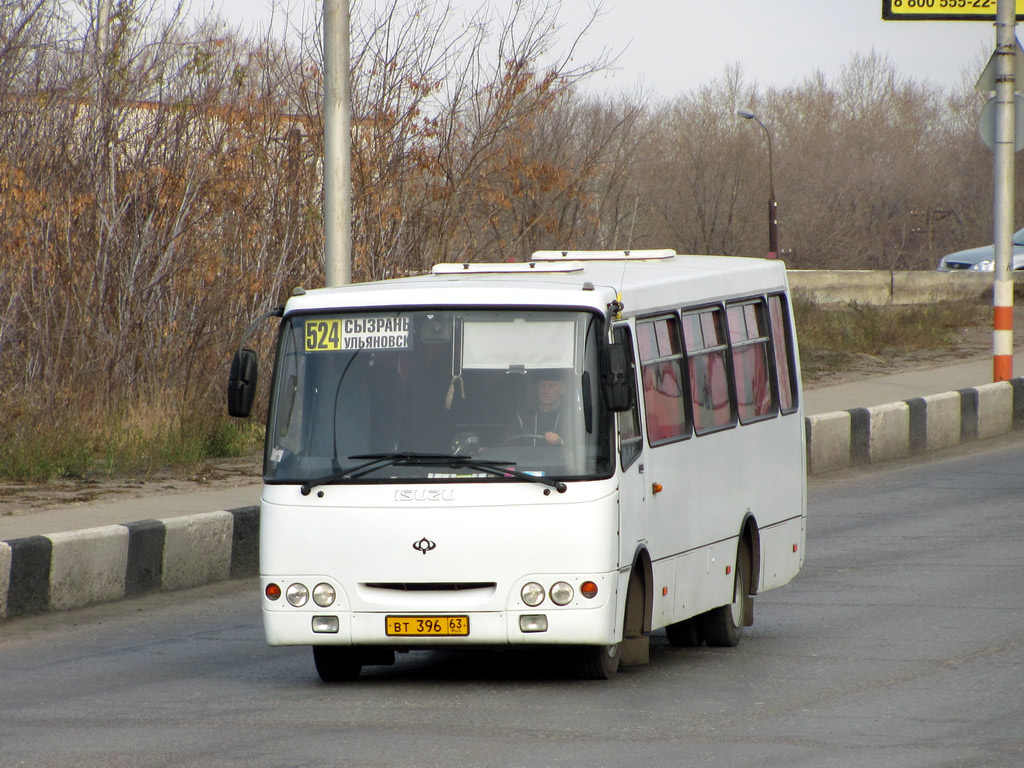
<point>341,473</point>
<point>490,466</point>
<point>406,459</point>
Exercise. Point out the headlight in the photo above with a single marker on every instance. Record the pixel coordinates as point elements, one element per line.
<point>986,265</point>
<point>297,595</point>
<point>323,595</point>
<point>561,593</point>
<point>532,594</point>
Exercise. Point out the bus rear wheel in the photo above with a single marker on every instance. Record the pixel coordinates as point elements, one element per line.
<point>722,627</point>
<point>337,664</point>
<point>684,634</point>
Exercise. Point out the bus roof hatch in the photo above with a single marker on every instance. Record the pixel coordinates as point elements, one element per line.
<point>474,268</point>
<point>632,255</point>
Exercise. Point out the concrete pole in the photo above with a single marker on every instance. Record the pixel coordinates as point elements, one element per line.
<point>1002,294</point>
<point>337,146</point>
<point>103,28</point>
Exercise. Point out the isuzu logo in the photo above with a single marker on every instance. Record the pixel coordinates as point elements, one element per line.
<point>424,545</point>
<point>426,494</point>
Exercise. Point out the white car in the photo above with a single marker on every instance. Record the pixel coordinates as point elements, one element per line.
<point>982,259</point>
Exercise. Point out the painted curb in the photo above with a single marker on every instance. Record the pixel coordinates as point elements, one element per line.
<point>61,571</point>
<point>913,427</point>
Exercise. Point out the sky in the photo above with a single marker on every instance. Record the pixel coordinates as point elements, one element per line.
<point>674,46</point>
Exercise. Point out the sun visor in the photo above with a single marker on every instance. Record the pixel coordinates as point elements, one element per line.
<point>518,345</point>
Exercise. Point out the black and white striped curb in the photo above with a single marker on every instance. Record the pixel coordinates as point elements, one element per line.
<point>60,571</point>
<point>897,430</point>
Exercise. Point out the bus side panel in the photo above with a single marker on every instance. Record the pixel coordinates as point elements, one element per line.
<point>693,583</point>
<point>710,484</point>
<point>782,548</point>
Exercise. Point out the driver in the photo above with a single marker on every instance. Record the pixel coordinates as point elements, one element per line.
<point>545,417</point>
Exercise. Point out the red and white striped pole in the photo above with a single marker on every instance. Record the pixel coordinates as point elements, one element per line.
<point>1002,331</point>
<point>1002,293</point>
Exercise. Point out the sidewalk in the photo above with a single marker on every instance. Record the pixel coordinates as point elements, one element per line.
<point>122,509</point>
<point>896,387</point>
<point>867,392</point>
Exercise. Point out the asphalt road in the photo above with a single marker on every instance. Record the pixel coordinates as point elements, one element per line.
<point>900,644</point>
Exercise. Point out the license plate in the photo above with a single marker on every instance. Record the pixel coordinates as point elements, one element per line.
<point>426,626</point>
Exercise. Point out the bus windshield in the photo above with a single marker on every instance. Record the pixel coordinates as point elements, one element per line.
<point>374,396</point>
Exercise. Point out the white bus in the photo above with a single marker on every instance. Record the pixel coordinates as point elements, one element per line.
<point>419,492</point>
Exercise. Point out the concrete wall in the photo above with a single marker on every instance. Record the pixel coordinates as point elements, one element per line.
<point>882,287</point>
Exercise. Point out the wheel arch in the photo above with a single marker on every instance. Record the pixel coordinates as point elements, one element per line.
<point>643,566</point>
<point>751,534</point>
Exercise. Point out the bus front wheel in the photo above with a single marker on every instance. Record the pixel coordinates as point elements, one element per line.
<point>598,662</point>
<point>337,664</point>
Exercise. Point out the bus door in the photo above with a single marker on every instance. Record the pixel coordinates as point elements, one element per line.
<point>665,391</point>
<point>632,477</point>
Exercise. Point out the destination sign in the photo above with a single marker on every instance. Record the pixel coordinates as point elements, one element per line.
<point>944,10</point>
<point>352,334</point>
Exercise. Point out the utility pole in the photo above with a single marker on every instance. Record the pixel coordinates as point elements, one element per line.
<point>337,146</point>
<point>1002,294</point>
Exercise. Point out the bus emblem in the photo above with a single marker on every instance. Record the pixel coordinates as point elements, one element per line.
<point>426,494</point>
<point>424,545</point>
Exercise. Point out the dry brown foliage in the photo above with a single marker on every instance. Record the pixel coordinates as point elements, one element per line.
<point>161,190</point>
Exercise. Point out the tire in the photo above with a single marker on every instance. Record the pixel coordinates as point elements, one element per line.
<point>597,662</point>
<point>723,627</point>
<point>601,662</point>
<point>684,634</point>
<point>337,664</point>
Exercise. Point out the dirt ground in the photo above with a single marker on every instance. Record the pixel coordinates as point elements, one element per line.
<point>24,498</point>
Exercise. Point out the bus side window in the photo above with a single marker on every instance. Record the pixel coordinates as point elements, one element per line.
<point>661,366</point>
<point>748,334</point>
<point>706,348</point>
<point>630,438</point>
<point>778,314</point>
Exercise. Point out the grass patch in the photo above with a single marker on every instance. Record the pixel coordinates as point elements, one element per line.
<point>30,455</point>
<point>831,337</point>
<point>149,436</point>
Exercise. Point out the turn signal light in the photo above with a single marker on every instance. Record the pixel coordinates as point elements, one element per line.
<point>273,592</point>
<point>588,589</point>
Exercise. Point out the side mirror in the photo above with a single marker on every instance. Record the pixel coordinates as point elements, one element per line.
<point>615,378</point>
<point>242,383</point>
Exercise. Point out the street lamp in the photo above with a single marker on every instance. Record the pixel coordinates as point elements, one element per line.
<point>773,207</point>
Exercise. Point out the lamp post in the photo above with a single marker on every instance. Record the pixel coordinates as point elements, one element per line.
<point>773,207</point>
